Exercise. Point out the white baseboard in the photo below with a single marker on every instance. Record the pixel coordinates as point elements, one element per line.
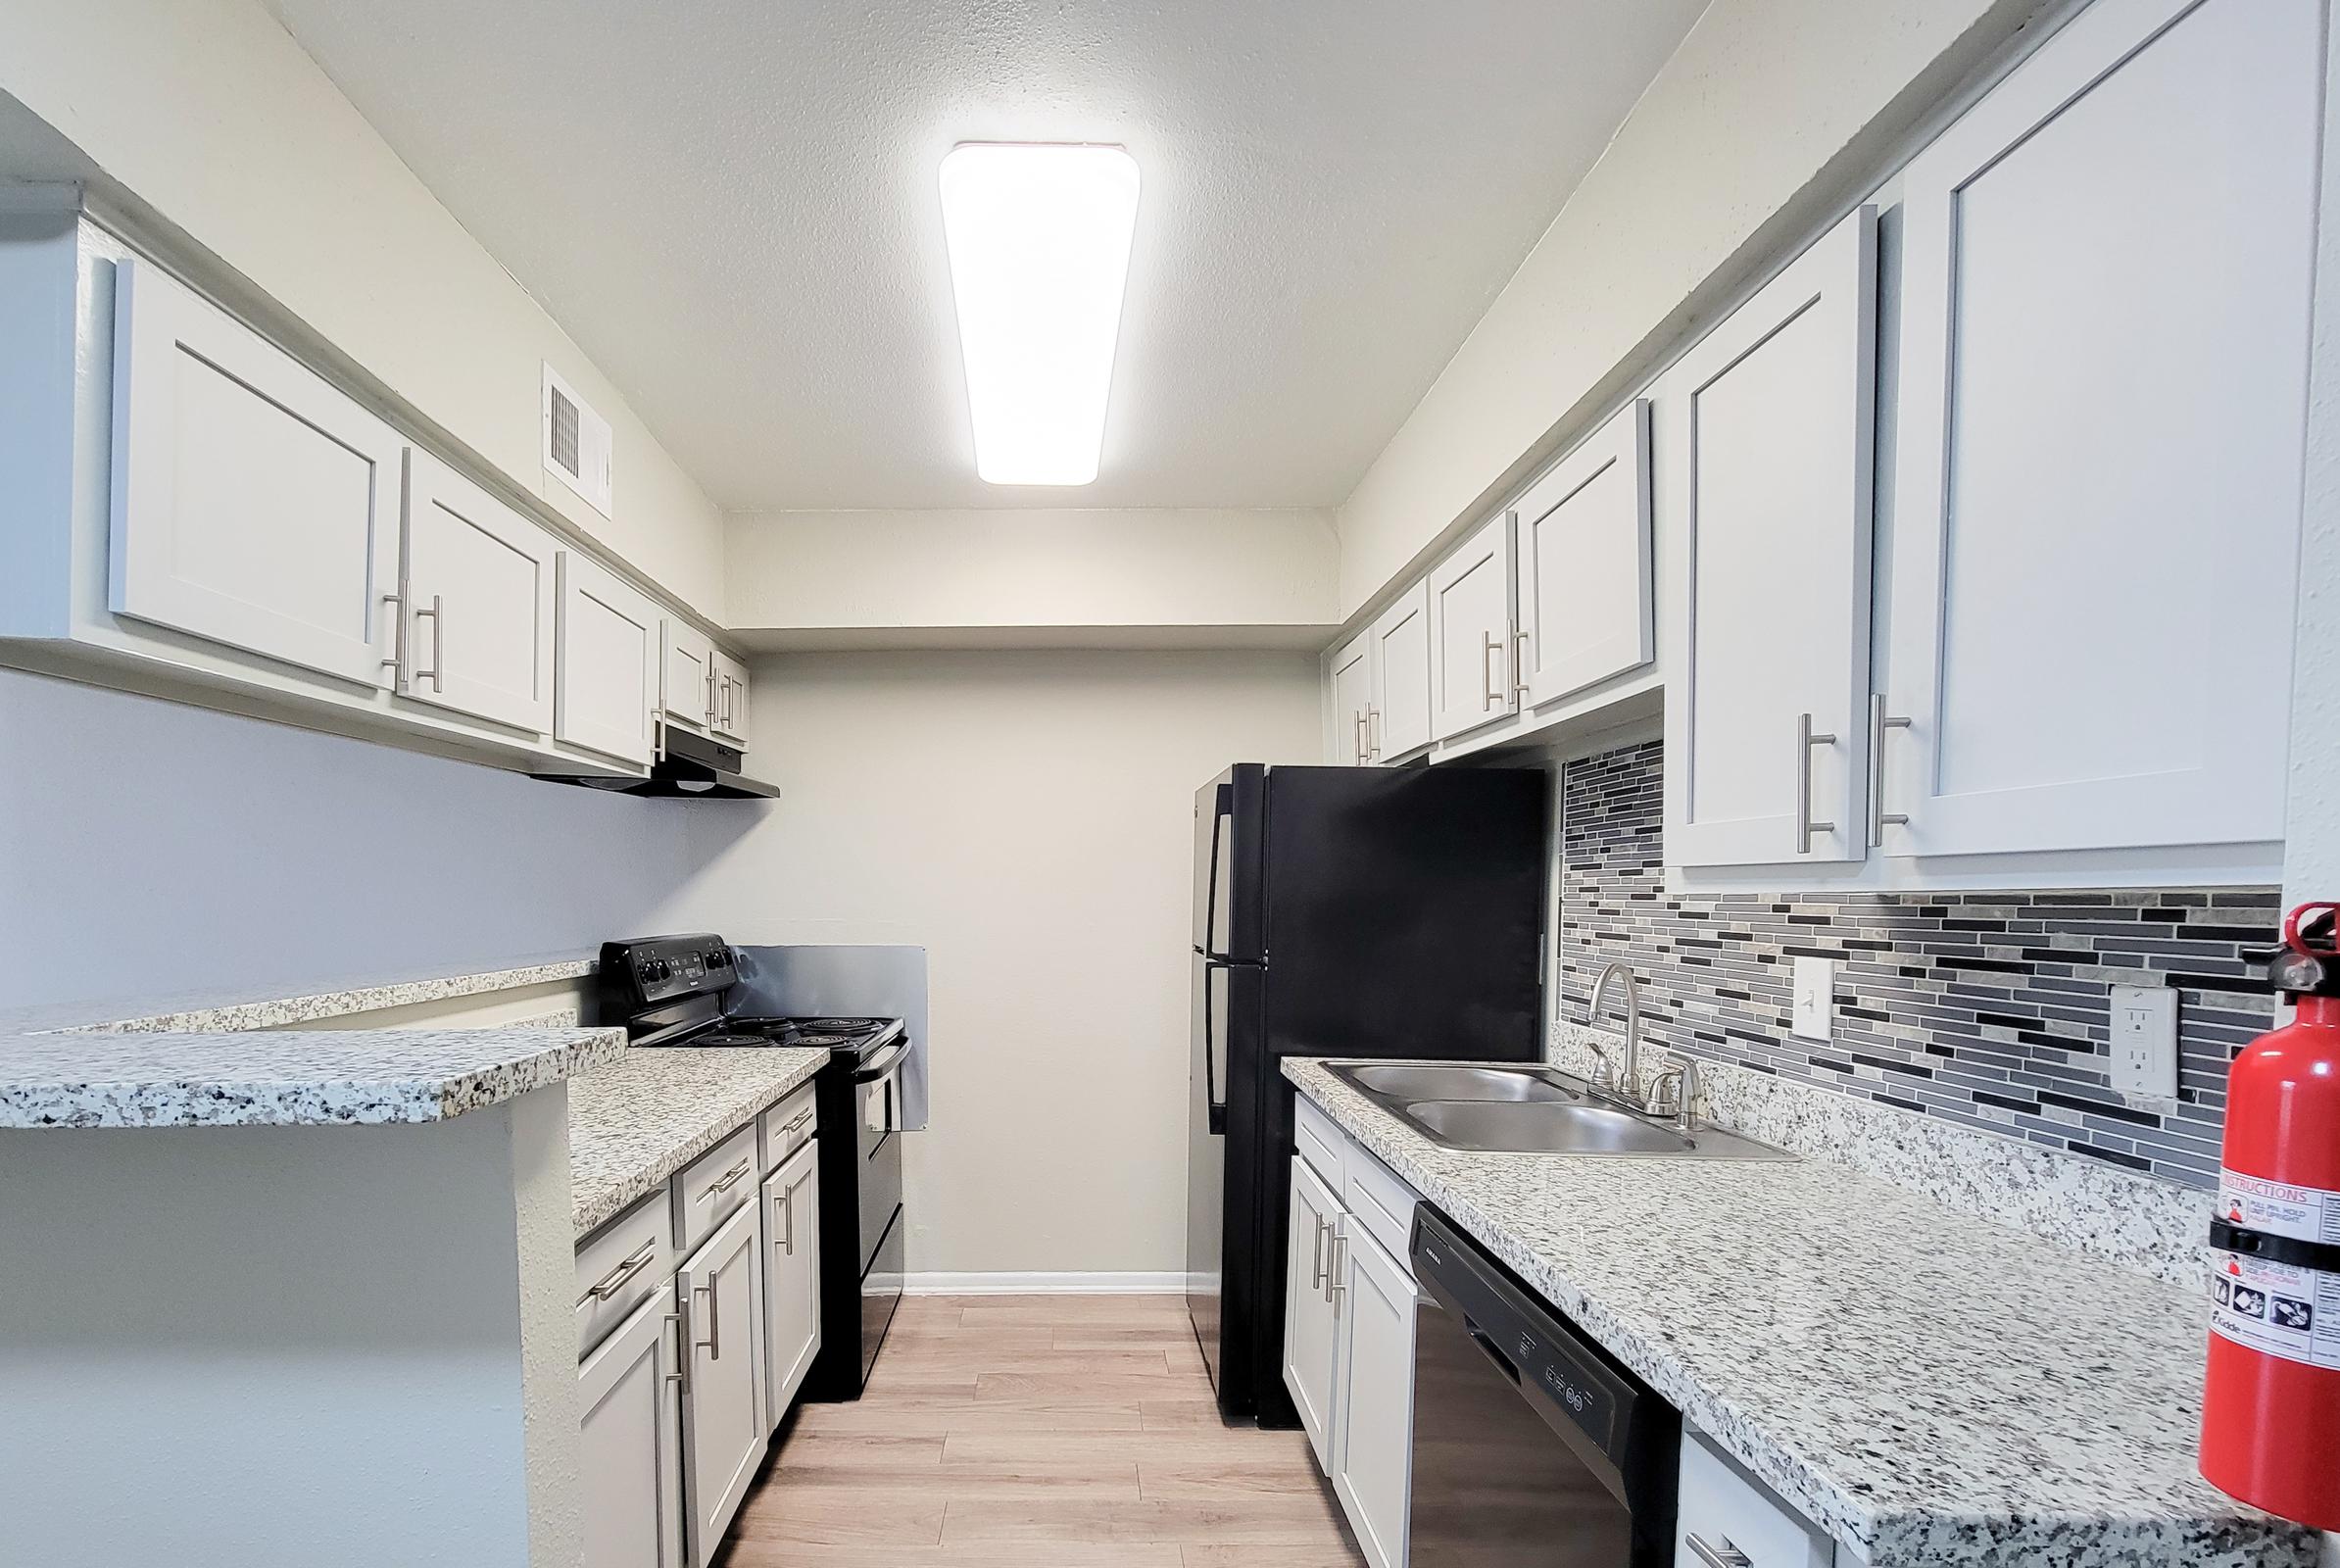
<point>936,1283</point>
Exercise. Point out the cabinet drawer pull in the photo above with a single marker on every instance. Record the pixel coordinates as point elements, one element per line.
<point>615,1279</point>
<point>796,1122</point>
<point>728,1180</point>
<point>1725,1555</point>
<point>1805,827</point>
<point>1879,722</point>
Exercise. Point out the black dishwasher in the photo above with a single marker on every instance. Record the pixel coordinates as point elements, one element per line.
<point>1531,1445</point>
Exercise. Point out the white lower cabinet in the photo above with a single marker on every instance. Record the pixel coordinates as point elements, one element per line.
<point>792,1276</point>
<point>1373,1400</point>
<point>724,1431</point>
<point>1348,1330</point>
<point>1312,1321</point>
<point>1725,1519</point>
<point>629,1452</point>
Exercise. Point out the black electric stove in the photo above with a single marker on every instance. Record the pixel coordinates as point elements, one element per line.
<point>681,992</point>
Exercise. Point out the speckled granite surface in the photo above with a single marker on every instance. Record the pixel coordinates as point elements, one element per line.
<point>2154,1227</point>
<point>293,1078</point>
<point>635,1121</point>
<point>1930,1388</point>
<point>211,1012</point>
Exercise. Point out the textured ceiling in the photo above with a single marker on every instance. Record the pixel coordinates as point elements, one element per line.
<point>731,205</point>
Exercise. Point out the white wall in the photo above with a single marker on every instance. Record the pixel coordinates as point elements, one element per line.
<point>146,847</point>
<point>1018,568</point>
<point>1769,112</point>
<point>210,112</point>
<point>1027,817</point>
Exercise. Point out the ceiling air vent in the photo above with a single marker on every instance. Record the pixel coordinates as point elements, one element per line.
<point>576,442</point>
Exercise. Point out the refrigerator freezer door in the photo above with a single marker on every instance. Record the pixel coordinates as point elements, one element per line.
<point>1230,902</point>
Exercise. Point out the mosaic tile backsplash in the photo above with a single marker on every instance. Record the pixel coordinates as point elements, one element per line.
<point>1988,1009</point>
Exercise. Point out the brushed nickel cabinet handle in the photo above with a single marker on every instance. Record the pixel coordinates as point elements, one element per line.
<point>1805,824</point>
<point>615,1279</point>
<point>1373,734</point>
<point>682,1344</point>
<point>1518,664</point>
<point>713,1342</point>
<point>1334,1289</point>
<point>1316,1262</point>
<point>1879,722</point>
<point>1725,1555</point>
<point>437,673</point>
<point>728,1180</point>
<point>396,662</point>
<point>1490,682</point>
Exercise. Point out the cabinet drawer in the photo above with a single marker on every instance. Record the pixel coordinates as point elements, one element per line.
<point>713,1186</point>
<point>1728,1518</point>
<point>1380,1201</point>
<point>787,1126</point>
<point>622,1266</point>
<point>1317,1139</point>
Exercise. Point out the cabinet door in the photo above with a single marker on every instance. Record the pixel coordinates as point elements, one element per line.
<point>476,625</point>
<point>792,1276</point>
<point>1585,611</point>
<point>1470,594</point>
<point>731,698</point>
<point>2104,370</point>
<point>723,1426</point>
<point>1352,701</point>
<point>1311,1326</point>
<point>253,503</point>
<point>1398,721</point>
<point>629,1453</point>
<point>686,676</point>
<point>1373,1403</point>
<point>1723,1517</point>
<point>1768,443</point>
<point>605,663</point>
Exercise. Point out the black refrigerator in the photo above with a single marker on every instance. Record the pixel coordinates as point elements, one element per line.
<point>1339,911</point>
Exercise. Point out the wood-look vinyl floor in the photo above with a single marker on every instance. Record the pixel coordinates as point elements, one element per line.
<point>1039,1432</point>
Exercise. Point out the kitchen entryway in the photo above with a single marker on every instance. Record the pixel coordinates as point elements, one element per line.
<point>1043,1432</point>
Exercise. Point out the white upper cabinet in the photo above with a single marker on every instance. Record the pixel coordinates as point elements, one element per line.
<point>253,503</point>
<point>731,698</point>
<point>606,663</point>
<point>1472,681</point>
<point>2096,509</point>
<point>1399,719</point>
<point>478,601</point>
<point>1584,596</point>
<point>1352,701</point>
<point>1765,427</point>
<point>686,676</point>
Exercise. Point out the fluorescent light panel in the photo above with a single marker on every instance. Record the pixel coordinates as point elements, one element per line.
<point>1040,251</point>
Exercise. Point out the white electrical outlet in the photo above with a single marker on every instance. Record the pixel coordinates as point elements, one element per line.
<point>2145,1041</point>
<point>1814,1011</point>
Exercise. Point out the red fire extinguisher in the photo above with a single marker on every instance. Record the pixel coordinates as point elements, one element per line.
<point>2271,1404</point>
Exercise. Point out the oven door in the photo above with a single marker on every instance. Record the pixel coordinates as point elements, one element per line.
<point>882,1243</point>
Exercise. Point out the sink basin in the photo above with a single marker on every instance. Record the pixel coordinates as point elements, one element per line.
<point>1410,1081</point>
<point>1504,1108</point>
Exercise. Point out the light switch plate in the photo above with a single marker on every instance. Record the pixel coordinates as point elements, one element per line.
<point>1814,1011</point>
<point>2144,1025</point>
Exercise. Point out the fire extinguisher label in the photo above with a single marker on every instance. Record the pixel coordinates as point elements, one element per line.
<point>2278,1208</point>
<point>2275,1308</point>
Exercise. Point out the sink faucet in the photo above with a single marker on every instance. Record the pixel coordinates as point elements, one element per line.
<point>1633,1021</point>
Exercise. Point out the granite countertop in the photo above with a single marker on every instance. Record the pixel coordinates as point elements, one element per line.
<point>1930,1388</point>
<point>290,1078</point>
<point>211,1012</point>
<point>636,1120</point>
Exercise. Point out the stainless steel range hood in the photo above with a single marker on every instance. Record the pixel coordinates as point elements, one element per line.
<point>692,768</point>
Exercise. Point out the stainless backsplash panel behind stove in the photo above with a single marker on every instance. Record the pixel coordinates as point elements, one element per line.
<point>841,980</point>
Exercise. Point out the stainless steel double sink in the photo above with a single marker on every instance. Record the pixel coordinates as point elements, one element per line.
<point>1531,1109</point>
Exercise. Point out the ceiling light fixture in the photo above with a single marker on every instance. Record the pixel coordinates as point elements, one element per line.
<point>1040,251</point>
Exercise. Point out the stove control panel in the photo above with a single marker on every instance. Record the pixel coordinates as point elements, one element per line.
<point>649,971</point>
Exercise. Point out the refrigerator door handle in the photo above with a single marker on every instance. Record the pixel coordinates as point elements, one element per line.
<point>1222,807</point>
<point>1212,1098</point>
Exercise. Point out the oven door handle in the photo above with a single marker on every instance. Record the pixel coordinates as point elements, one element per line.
<point>885,1061</point>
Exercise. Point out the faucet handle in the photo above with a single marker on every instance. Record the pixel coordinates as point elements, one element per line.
<point>1682,1072</point>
